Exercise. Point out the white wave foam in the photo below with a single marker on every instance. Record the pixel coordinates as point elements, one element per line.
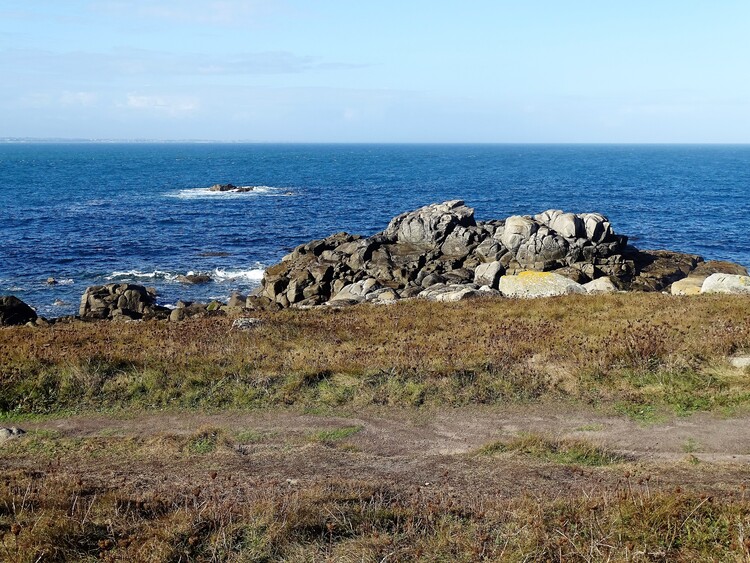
<point>206,193</point>
<point>137,274</point>
<point>66,281</point>
<point>218,275</point>
<point>231,275</point>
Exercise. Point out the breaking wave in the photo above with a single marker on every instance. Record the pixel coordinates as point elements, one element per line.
<point>255,191</point>
<point>217,275</point>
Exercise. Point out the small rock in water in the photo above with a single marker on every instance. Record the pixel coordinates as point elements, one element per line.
<point>51,281</point>
<point>245,323</point>
<point>194,278</point>
<point>59,302</point>
<point>230,188</point>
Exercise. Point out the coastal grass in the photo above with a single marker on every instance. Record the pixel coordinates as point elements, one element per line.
<point>58,516</point>
<point>565,452</point>
<point>644,355</point>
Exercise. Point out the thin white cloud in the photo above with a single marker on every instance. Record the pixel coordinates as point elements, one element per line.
<point>133,62</point>
<point>212,12</point>
<point>85,99</point>
<point>168,105</point>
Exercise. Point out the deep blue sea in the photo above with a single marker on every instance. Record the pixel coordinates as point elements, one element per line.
<point>96,213</point>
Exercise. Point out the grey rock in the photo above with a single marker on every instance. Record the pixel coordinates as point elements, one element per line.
<point>13,311</point>
<point>448,293</point>
<point>430,225</point>
<point>488,274</point>
<point>194,278</point>
<point>599,286</point>
<point>116,300</point>
<point>237,300</point>
<point>726,283</point>
<point>742,361</point>
<point>246,323</point>
<point>529,285</point>
<point>10,433</point>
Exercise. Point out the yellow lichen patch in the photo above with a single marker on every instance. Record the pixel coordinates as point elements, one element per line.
<point>535,275</point>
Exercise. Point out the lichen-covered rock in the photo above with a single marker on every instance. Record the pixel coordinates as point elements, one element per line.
<point>13,311</point>
<point>528,285</point>
<point>726,283</point>
<point>690,285</point>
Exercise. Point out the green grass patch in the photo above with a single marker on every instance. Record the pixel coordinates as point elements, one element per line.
<point>335,435</point>
<point>565,452</point>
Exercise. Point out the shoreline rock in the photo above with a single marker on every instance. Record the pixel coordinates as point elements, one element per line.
<point>13,311</point>
<point>425,251</point>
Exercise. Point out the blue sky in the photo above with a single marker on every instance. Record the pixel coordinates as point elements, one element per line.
<point>386,71</point>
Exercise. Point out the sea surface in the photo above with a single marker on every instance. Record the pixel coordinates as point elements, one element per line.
<point>88,213</point>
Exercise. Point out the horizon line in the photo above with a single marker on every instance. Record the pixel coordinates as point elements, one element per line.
<point>80,140</point>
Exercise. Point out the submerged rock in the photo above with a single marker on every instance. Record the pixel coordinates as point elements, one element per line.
<point>230,188</point>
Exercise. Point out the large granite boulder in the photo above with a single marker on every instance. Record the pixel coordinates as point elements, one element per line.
<point>726,283</point>
<point>120,301</point>
<point>442,245</point>
<point>431,225</point>
<point>13,311</point>
<point>531,284</point>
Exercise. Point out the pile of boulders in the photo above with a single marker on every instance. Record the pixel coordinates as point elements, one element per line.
<point>441,252</point>
<point>120,301</point>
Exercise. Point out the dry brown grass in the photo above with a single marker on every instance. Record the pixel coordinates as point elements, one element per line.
<point>55,515</point>
<point>636,351</point>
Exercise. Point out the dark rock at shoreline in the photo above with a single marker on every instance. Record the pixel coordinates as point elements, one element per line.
<point>120,302</point>
<point>442,245</point>
<point>13,311</point>
<point>194,278</point>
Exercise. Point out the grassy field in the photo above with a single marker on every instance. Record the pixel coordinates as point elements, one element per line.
<point>400,433</point>
<point>639,353</point>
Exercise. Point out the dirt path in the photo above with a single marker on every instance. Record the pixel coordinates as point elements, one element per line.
<point>405,448</point>
<point>397,432</point>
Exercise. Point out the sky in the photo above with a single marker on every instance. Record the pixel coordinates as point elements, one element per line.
<point>469,71</point>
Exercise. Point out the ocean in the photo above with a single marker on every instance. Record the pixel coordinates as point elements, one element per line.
<point>95,213</point>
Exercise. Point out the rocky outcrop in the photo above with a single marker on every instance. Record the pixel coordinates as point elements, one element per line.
<point>13,311</point>
<point>442,245</point>
<point>120,301</point>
